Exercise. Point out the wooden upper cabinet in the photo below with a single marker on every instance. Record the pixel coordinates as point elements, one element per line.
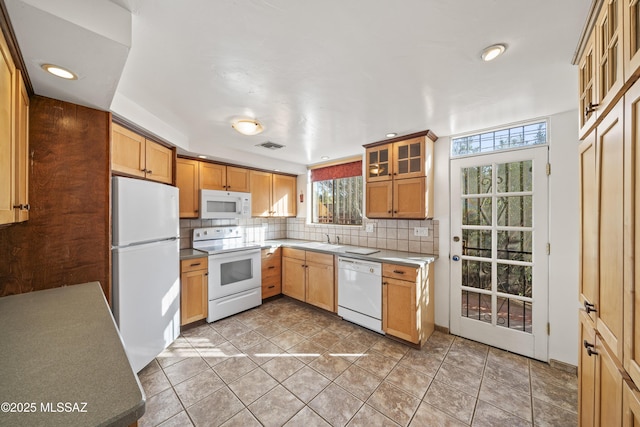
<point>587,87</point>
<point>188,182</point>
<point>7,134</point>
<point>631,38</point>
<point>159,162</point>
<point>609,52</point>
<point>379,199</point>
<point>134,155</point>
<point>409,198</point>
<point>379,163</point>
<point>272,194</point>
<point>220,177</point>
<point>409,158</point>
<point>127,151</point>
<point>21,204</point>
<point>284,195</point>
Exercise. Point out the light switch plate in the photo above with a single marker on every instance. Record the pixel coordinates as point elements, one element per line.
<point>421,231</point>
<point>369,228</point>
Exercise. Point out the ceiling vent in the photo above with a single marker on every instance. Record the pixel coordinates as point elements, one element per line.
<point>270,145</point>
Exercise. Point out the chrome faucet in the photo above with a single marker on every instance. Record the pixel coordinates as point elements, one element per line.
<point>328,240</point>
<point>338,240</point>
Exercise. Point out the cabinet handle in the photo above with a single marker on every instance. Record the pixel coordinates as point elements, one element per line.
<point>398,272</point>
<point>194,265</point>
<point>271,267</point>
<point>271,287</point>
<point>590,348</point>
<point>22,207</point>
<point>590,108</point>
<point>149,171</point>
<point>206,274</point>
<point>588,307</point>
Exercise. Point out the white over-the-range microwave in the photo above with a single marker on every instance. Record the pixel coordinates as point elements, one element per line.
<point>216,204</point>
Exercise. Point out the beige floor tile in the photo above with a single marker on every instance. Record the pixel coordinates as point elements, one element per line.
<point>543,374</point>
<point>153,382</point>
<point>390,348</point>
<point>263,352</point>
<point>233,368</point>
<point>365,338</point>
<point>451,401</point>
<point>152,367</point>
<point>230,328</point>
<point>394,403</point>
<point>359,382</point>
<point>287,339</point>
<point>509,360</point>
<point>410,380</point>
<point>307,328</point>
<point>282,367</point>
<point>276,407</point>
<point>270,330</point>
<point>307,418</point>
<point>178,351</point>
<point>461,379</point>
<point>252,386</point>
<point>507,399</point>
<point>216,408</point>
<point>306,384</point>
<point>548,415</point>
<point>466,358</point>
<point>219,353</point>
<point>198,387</point>
<point>348,349</point>
<point>427,415</point>
<point>325,338</point>
<point>336,405</point>
<point>487,415</point>
<point>243,418</point>
<point>376,363</point>
<point>306,351</point>
<point>247,340</point>
<point>421,361</point>
<point>342,328</point>
<point>561,396</point>
<point>518,380</point>
<point>330,365</point>
<point>367,417</point>
<point>160,408</point>
<point>179,420</point>
<point>203,336</point>
<point>185,369</point>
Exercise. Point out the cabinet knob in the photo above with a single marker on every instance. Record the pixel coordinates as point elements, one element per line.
<point>590,108</point>
<point>385,283</point>
<point>149,171</point>
<point>588,307</point>
<point>388,211</point>
<point>395,212</point>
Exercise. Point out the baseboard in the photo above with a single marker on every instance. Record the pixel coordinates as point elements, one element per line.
<point>442,329</point>
<point>563,366</point>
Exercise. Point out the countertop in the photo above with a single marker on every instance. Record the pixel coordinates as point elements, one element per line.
<point>191,254</point>
<point>384,255</point>
<point>63,360</point>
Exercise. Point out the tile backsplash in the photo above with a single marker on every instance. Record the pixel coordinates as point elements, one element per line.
<point>387,234</point>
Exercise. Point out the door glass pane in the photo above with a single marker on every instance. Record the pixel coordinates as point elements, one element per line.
<point>373,157</point>
<point>515,245</point>
<point>221,206</point>
<point>414,149</point>
<point>403,152</point>
<point>235,271</point>
<point>403,166</point>
<point>514,279</point>
<point>476,243</point>
<point>476,180</point>
<point>515,211</point>
<point>514,314</point>
<point>415,165</point>
<point>476,211</point>
<point>476,306</point>
<point>515,176</point>
<point>476,274</point>
<point>384,155</point>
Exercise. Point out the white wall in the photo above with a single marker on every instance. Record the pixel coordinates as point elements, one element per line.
<point>563,230</point>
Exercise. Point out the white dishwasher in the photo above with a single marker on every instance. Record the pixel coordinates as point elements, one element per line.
<point>360,292</point>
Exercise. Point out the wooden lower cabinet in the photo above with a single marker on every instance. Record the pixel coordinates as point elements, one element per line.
<point>193,290</point>
<point>309,276</point>
<point>630,405</point>
<point>407,302</point>
<point>271,272</point>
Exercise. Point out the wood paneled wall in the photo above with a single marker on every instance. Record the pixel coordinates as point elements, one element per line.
<point>66,240</point>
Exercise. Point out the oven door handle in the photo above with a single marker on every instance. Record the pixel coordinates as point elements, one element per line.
<point>242,253</point>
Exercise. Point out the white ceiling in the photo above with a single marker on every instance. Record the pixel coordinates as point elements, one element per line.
<point>323,77</point>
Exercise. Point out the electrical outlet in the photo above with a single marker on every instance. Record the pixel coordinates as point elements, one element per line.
<point>421,231</point>
<point>369,228</point>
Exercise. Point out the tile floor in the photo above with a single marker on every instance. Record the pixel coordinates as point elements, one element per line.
<point>286,363</point>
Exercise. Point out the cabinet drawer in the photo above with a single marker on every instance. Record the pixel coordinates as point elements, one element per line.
<point>271,253</point>
<point>194,264</point>
<point>320,258</point>
<point>270,288</point>
<point>401,272</point>
<point>271,271</point>
<point>293,253</point>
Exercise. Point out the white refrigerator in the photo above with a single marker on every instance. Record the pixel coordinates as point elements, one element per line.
<point>146,267</point>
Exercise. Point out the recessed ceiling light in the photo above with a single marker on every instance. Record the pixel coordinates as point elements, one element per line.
<point>276,170</point>
<point>59,71</point>
<point>324,158</point>
<point>492,52</point>
<point>202,157</point>
<point>247,126</point>
<point>391,134</point>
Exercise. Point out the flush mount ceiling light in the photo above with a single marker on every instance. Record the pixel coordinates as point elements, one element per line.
<point>59,71</point>
<point>202,157</point>
<point>324,158</point>
<point>247,126</point>
<point>391,134</point>
<point>492,52</point>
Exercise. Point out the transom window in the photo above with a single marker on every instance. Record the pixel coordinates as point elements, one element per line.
<point>337,193</point>
<point>503,139</point>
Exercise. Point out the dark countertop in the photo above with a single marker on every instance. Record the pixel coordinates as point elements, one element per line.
<point>191,254</point>
<point>61,354</point>
<point>383,255</point>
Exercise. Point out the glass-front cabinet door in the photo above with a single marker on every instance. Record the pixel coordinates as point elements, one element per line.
<point>409,158</point>
<point>379,163</point>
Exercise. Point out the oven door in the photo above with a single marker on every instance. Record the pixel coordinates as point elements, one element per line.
<point>233,272</point>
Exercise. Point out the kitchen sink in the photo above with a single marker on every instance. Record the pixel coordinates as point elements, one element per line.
<point>320,245</point>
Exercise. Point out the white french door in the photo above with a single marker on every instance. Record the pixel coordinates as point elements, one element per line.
<point>499,261</point>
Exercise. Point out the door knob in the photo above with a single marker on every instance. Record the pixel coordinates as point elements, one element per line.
<point>455,258</point>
